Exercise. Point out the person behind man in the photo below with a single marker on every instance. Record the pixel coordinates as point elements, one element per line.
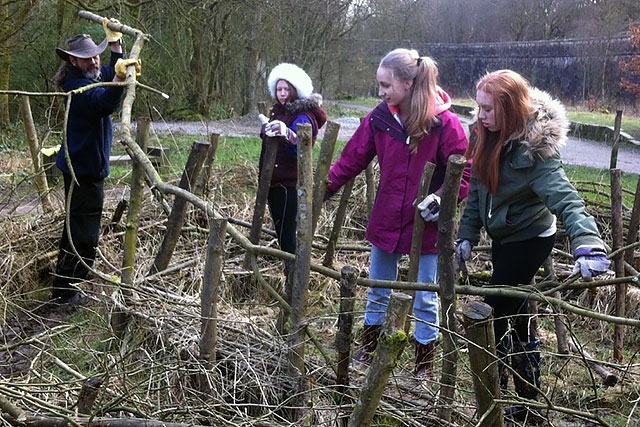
<point>88,147</point>
<point>410,127</point>
<point>295,104</point>
<point>518,186</point>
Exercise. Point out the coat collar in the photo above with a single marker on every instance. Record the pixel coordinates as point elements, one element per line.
<point>547,127</point>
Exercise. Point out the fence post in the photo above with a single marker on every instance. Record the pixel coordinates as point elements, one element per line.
<point>447,281</point>
<point>478,325</point>
<point>179,210</point>
<point>345,325</point>
<point>322,170</point>
<point>302,268</point>
<point>209,297</point>
<point>392,341</point>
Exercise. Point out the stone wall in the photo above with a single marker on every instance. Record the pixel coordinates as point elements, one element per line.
<point>572,70</point>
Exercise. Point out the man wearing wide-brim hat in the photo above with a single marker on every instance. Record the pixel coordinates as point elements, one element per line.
<point>89,136</point>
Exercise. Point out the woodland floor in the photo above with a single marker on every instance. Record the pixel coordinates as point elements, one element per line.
<point>30,348</point>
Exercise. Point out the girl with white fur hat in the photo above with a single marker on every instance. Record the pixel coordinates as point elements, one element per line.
<point>295,104</point>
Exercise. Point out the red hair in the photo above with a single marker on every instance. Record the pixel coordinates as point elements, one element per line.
<point>512,105</point>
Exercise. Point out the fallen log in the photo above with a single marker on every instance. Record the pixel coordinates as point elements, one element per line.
<point>608,378</point>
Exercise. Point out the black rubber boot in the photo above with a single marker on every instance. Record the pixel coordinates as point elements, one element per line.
<point>370,334</point>
<point>525,361</point>
<point>502,352</point>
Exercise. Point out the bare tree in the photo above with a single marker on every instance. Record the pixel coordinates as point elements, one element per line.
<point>13,17</point>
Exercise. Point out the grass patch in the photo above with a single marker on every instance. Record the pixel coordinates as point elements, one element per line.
<point>630,124</point>
<point>232,152</point>
<point>594,184</point>
<point>335,111</point>
<point>364,101</point>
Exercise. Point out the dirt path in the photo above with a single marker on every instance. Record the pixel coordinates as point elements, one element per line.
<point>576,152</point>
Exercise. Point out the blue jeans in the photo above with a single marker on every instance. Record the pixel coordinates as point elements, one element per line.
<point>384,266</point>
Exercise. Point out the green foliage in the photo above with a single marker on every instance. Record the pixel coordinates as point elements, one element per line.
<point>12,137</point>
<point>185,114</point>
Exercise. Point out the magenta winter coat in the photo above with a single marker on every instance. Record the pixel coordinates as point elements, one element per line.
<point>391,221</point>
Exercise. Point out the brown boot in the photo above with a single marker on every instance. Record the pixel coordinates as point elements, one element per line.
<point>369,338</point>
<point>425,354</point>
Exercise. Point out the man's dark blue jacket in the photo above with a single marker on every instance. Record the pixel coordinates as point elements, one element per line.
<point>89,128</point>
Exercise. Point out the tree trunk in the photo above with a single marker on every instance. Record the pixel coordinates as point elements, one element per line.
<point>209,297</point>
<point>119,318</point>
<point>418,231</point>
<point>345,326</point>
<point>202,185</point>
<point>337,224</point>
<point>5,68</point>
<point>40,177</point>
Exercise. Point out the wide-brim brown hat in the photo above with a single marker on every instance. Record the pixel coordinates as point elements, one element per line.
<point>82,46</point>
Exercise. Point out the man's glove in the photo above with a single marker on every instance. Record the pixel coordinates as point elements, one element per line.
<point>278,128</point>
<point>430,207</point>
<point>122,64</point>
<point>112,36</point>
<point>590,261</point>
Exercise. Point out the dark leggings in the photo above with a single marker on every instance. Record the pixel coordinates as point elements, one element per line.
<point>84,221</point>
<point>513,264</point>
<point>283,206</point>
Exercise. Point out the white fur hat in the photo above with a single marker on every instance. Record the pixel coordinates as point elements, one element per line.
<point>294,75</point>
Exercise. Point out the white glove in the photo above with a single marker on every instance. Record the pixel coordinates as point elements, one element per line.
<point>278,128</point>
<point>430,207</point>
<point>590,261</point>
<point>263,119</point>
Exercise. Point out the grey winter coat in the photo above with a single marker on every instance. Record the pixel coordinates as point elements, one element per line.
<point>532,188</point>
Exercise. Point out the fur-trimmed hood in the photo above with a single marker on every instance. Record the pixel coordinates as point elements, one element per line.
<point>301,105</point>
<point>295,75</point>
<point>547,128</point>
<point>312,106</point>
